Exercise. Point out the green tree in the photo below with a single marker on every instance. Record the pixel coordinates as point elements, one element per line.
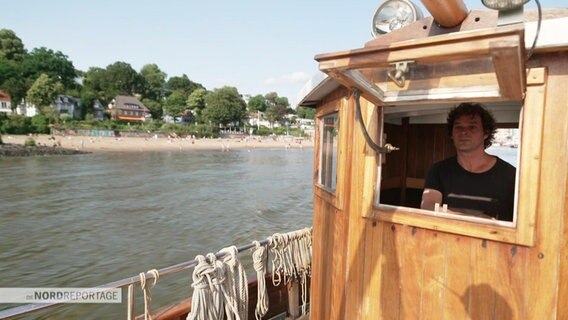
<point>121,79</point>
<point>95,80</point>
<point>154,81</point>
<point>271,99</point>
<point>11,47</point>
<point>224,106</point>
<point>275,114</point>
<point>46,61</point>
<point>12,53</point>
<point>277,108</point>
<point>43,92</point>
<point>306,113</point>
<point>155,107</point>
<point>282,102</point>
<point>12,82</point>
<point>196,102</point>
<point>16,124</point>
<point>182,84</point>
<point>88,99</point>
<point>257,103</point>
<point>175,104</point>
<point>40,124</point>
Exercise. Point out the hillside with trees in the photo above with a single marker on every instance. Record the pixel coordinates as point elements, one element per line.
<point>38,76</point>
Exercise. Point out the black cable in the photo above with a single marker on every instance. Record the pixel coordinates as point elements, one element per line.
<point>368,139</point>
<point>539,9</point>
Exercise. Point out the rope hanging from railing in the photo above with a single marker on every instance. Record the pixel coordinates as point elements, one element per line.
<point>292,259</point>
<point>220,287</point>
<point>205,291</point>
<point>259,260</point>
<point>236,284</point>
<point>147,293</point>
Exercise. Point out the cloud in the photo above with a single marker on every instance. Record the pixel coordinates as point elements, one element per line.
<point>291,78</point>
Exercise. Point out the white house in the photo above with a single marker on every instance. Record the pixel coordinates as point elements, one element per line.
<point>26,109</point>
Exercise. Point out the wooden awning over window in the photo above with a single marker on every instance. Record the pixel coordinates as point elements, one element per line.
<point>482,65</point>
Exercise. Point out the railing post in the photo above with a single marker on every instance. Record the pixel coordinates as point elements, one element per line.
<point>293,299</point>
<point>130,310</point>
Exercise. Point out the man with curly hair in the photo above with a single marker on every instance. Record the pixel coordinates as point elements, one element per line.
<point>472,182</point>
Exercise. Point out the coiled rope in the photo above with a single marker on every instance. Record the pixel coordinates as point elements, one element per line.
<point>220,287</point>
<point>205,301</point>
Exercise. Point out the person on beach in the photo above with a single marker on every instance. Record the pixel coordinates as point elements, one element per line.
<point>472,182</point>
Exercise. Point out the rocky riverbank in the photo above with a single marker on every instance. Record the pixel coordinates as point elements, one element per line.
<point>19,150</point>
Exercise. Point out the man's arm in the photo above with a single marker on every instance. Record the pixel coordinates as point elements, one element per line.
<point>429,199</point>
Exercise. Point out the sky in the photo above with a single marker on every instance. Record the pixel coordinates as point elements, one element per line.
<point>257,46</point>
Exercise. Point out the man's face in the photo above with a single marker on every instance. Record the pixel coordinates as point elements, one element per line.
<point>468,134</point>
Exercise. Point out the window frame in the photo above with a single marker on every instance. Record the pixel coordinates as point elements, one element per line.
<point>334,198</point>
<point>522,230</point>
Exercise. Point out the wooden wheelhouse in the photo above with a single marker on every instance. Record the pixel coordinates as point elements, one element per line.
<point>376,254</point>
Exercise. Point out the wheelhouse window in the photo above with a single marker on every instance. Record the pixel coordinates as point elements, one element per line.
<point>424,140</point>
<point>328,158</point>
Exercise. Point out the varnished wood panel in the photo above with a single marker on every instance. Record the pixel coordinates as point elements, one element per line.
<point>372,270</point>
<point>482,294</point>
<point>458,281</point>
<point>544,260</point>
<point>328,259</point>
<point>391,274</point>
<point>563,282</point>
<point>357,302</point>
<point>511,271</point>
<point>409,241</point>
<point>434,271</point>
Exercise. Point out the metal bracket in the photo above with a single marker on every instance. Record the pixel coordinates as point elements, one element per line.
<point>397,75</point>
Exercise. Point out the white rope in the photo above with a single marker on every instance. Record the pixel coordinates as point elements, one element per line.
<point>220,286</point>
<point>204,295</point>
<point>277,259</point>
<point>292,259</point>
<point>236,284</point>
<point>259,256</point>
<point>223,300</point>
<point>147,293</point>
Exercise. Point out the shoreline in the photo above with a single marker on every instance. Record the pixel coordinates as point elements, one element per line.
<point>89,144</point>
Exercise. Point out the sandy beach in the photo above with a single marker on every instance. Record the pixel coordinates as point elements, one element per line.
<point>140,144</point>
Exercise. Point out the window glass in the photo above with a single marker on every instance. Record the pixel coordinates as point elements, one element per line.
<point>328,159</point>
<point>506,145</point>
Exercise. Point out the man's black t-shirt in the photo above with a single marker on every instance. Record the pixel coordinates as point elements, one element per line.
<point>491,192</point>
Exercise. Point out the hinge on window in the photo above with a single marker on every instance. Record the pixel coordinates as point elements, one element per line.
<point>398,74</point>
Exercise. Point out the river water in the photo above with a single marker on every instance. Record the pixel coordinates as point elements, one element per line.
<point>86,220</point>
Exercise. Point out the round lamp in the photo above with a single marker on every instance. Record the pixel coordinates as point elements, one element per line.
<point>394,14</point>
